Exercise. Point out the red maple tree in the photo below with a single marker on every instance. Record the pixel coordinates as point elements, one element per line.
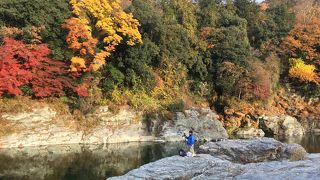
<point>23,64</point>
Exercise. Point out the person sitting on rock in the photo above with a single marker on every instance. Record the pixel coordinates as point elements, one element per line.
<point>190,142</point>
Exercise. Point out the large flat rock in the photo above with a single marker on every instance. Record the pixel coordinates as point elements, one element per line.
<point>209,167</point>
<point>272,161</point>
<point>254,150</point>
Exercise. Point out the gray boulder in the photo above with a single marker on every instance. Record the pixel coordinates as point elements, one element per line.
<point>276,170</point>
<point>176,167</point>
<point>208,167</point>
<point>203,121</point>
<point>218,166</point>
<point>254,150</point>
<point>283,125</point>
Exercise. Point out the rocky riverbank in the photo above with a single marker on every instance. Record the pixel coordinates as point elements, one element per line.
<point>44,126</point>
<point>263,158</point>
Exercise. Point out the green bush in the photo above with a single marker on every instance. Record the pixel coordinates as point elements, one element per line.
<point>47,13</point>
<point>177,106</point>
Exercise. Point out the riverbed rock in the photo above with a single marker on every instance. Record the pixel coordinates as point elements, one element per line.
<point>208,167</point>
<point>293,170</point>
<point>249,133</point>
<point>281,125</point>
<point>253,150</point>
<point>216,166</point>
<point>174,167</point>
<point>203,121</point>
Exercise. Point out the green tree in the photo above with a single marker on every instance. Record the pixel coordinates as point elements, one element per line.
<point>47,13</point>
<point>131,67</point>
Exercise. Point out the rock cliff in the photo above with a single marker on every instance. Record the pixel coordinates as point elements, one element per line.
<point>44,126</point>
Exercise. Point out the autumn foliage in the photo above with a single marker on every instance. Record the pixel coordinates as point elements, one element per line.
<point>29,65</point>
<point>302,71</point>
<point>303,39</point>
<point>79,37</point>
<point>16,61</point>
<point>105,20</point>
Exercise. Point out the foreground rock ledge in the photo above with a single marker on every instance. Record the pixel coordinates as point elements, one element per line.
<point>253,150</point>
<point>208,166</point>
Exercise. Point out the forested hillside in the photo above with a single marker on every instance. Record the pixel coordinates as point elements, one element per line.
<point>159,55</point>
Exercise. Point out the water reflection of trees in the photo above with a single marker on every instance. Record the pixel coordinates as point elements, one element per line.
<point>311,142</point>
<point>80,161</point>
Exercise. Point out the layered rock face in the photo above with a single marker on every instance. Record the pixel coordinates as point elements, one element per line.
<point>204,123</point>
<point>43,126</point>
<point>281,125</point>
<point>218,166</point>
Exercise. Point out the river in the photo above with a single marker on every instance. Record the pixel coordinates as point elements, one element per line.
<point>86,162</point>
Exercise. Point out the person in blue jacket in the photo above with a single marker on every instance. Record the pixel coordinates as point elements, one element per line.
<point>190,141</point>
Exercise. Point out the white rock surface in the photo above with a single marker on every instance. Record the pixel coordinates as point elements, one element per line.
<point>283,125</point>
<point>203,121</point>
<point>43,126</point>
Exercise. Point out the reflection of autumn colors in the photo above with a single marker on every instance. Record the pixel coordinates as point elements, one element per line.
<point>80,161</point>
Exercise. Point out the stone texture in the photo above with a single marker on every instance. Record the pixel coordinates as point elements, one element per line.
<point>174,167</point>
<point>277,170</point>
<point>217,166</point>
<point>43,126</point>
<point>209,167</point>
<point>283,125</point>
<point>203,121</point>
<point>254,150</point>
<point>249,133</point>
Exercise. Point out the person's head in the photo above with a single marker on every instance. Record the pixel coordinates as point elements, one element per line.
<point>190,132</point>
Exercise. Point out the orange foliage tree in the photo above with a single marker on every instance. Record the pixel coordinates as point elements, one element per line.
<point>304,39</point>
<point>104,20</point>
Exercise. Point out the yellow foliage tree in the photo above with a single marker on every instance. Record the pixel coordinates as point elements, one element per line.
<point>78,64</point>
<point>112,24</point>
<point>302,71</point>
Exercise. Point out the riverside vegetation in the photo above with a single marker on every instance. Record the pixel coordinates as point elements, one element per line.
<point>242,59</point>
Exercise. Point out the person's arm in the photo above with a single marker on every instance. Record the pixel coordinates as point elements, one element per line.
<point>185,136</point>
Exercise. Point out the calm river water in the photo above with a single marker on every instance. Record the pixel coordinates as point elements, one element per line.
<point>86,162</point>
